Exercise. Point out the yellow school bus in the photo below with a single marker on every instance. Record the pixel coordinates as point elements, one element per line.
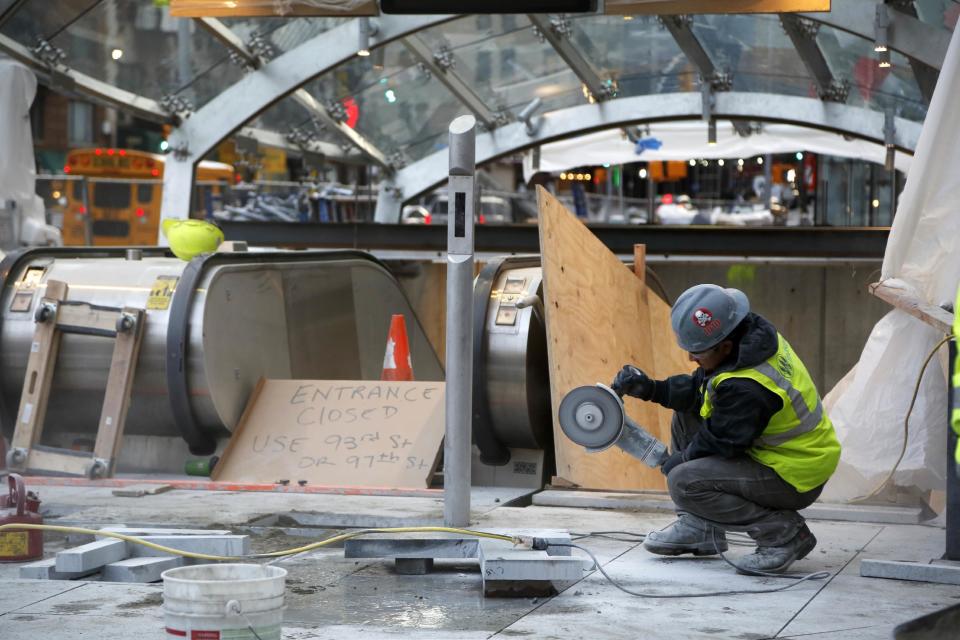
<point>119,202</point>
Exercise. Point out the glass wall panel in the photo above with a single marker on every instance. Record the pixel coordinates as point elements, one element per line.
<point>639,55</point>
<point>757,51</point>
<point>140,48</point>
<point>938,13</point>
<point>852,58</point>
<point>282,34</point>
<point>391,101</point>
<point>505,63</point>
<point>35,20</point>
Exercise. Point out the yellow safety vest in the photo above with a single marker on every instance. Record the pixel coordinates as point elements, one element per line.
<point>799,442</point>
<point>955,391</point>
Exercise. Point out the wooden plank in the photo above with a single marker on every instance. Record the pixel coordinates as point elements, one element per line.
<point>640,262</point>
<point>79,316</point>
<point>600,317</point>
<point>42,459</point>
<point>116,401</point>
<point>40,366</point>
<point>675,7</point>
<point>906,301</point>
<point>258,8</point>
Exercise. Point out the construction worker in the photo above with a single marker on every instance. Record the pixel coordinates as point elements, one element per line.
<point>955,382</point>
<point>751,443</point>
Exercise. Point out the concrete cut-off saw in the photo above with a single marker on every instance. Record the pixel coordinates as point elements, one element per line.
<point>594,417</point>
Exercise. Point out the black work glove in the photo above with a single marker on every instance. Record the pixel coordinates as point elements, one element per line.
<point>675,458</point>
<point>633,382</point>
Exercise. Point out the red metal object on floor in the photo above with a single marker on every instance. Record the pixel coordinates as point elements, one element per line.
<point>20,507</point>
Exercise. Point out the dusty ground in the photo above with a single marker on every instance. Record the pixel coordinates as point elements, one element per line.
<point>332,597</point>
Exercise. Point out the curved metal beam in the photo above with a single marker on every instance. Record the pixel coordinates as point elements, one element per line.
<point>232,41</point>
<point>97,90</point>
<point>259,89</point>
<point>908,35</point>
<point>431,171</point>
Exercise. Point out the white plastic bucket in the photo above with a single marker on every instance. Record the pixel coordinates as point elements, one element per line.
<point>222,601</point>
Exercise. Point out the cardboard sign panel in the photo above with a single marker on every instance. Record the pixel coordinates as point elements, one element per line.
<point>337,432</point>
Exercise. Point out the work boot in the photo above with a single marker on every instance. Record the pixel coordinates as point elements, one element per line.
<point>688,534</point>
<point>778,559</point>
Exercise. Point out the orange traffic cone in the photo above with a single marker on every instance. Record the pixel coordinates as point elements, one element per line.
<point>396,360</point>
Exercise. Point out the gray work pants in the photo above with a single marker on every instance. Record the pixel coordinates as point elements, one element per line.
<point>736,494</point>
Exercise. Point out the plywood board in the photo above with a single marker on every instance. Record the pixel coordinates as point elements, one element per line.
<point>337,432</point>
<point>676,7</point>
<point>269,8</point>
<point>600,317</point>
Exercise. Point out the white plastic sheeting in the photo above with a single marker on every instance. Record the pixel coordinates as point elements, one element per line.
<point>18,86</point>
<point>923,256</point>
<point>688,139</point>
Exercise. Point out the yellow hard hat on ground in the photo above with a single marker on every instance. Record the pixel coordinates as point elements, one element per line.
<point>190,238</point>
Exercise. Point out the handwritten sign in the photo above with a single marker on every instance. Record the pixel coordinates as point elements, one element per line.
<point>337,432</point>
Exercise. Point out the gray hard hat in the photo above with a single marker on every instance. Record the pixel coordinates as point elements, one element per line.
<point>705,314</point>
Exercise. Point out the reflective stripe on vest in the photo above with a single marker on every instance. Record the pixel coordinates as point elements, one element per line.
<point>808,419</point>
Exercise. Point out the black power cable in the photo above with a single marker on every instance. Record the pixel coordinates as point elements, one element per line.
<point>820,575</point>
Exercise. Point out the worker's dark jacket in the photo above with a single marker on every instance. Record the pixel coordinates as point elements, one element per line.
<point>741,407</point>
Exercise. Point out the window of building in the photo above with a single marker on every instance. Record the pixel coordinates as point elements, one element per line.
<point>484,66</point>
<point>80,123</point>
<point>507,58</point>
<point>37,113</point>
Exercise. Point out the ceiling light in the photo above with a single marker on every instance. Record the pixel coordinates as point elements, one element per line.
<point>799,155</point>
<point>760,160</point>
<point>116,54</point>
<point>884,59</point>
<point>693,163</point>
<point>720,162</point>
<point>643,173</point>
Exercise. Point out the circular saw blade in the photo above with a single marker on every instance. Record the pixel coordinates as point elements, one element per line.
<point>592,416</point>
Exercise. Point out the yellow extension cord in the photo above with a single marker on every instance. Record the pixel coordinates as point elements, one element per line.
<point>516,540</point>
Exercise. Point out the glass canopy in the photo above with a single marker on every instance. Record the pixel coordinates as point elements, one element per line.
<point>398,105</point>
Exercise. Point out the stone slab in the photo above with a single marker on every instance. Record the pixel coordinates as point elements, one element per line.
<point>91,556</point>
<point>139,569</point>
<point>941,571</point>
<point>140,490</point>
<point>156,531</point>
<point>653,502</point>
<point>434,548</point>
<point>229,545</point>
<point>16,594</point>
<point>863,513</point>
<point>47,570</point>
<point>656,502</point>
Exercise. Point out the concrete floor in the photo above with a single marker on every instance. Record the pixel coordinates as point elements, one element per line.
<point>332,597</point>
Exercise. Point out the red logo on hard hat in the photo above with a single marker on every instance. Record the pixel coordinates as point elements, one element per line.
<point>705,320</point>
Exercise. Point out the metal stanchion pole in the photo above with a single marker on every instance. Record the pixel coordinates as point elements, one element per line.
<point>459,354</point>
